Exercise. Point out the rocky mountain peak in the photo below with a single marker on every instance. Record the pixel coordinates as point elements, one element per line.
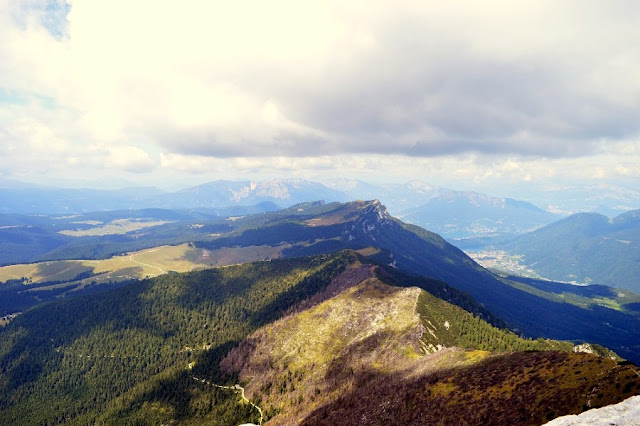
<point>370,218</point>
<point>378,210</point>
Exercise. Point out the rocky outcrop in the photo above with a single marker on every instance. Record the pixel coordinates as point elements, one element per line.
<point>625,413</point>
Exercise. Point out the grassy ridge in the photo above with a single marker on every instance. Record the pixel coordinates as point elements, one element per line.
<point>55,279</point>
<point>149,262</point>
<point>309,358</point>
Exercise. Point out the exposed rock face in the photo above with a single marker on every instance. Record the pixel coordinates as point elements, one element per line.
<point>626,413</point>
<point>585,347</point>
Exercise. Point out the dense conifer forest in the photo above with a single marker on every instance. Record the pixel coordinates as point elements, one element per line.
<point>130,354</point>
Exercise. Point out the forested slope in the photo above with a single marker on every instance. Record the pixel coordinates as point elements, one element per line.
<point>124,354</point>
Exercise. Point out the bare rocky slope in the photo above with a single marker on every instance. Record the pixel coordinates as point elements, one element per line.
<point>626,413</point>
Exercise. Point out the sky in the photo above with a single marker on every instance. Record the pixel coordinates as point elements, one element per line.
<point>486,95</point>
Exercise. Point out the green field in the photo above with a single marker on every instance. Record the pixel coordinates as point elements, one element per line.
<point>140,264</point>
<point>115,227</point>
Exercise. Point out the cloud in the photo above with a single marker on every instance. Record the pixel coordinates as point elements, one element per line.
<point>129,158</point>
<point>139,86</point>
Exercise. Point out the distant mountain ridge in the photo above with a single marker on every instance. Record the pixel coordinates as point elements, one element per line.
<point>466,215</point>
<point>585,248</point>
<point>44,200</point>
<point>217,194</point>
<point>609,200</point>
<point>606,199</point>
<point>397,197</point>
<point>284,192</point>
<point>468,218</point>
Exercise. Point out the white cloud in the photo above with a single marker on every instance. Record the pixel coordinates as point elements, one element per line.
<point>474,91</point>
<point>129,158</point>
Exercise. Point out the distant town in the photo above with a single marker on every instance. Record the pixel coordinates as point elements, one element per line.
<point>501,261</point>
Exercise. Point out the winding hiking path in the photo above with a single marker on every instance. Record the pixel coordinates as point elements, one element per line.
<point>146,264</point>
<point>235,388</point>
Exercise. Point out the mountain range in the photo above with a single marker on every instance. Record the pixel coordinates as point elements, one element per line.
<point>212,195</point>
<point>472,220</point>
<point>469,218</point>
<point>21,197</point>
<point>533,307</point>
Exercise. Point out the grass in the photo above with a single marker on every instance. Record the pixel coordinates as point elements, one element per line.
<point>476,355</point>
<point>318,334</point>
<point>140,264</point>
<point>368,251</point>
<point>16,272</point>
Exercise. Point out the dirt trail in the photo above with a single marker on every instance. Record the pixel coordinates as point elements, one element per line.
<point>235,387</point>
<point>146,264</point>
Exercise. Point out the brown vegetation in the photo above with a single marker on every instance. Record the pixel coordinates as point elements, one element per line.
<point>517,388</point>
